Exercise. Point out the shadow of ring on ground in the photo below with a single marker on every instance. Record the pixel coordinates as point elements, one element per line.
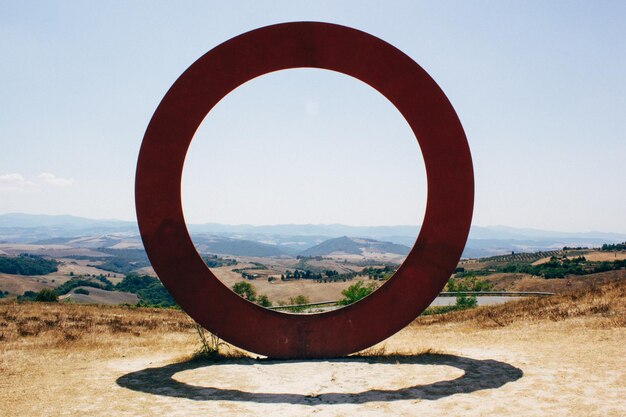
<point>478,375</point>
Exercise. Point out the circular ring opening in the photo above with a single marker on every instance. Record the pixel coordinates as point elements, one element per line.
<point>432,258</point>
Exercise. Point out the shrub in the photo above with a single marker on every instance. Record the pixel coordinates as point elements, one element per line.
<point>150,291</point>
<point>47,295</point>
<point>263,301</point>
<point>133,283</point>
<point>27,296</point>
<point>214,261</point>
<point>81,291</point>
<point>466,301</point>
<point>298,301</point>
<point>155,295</point>
<point>355,292</point>
<point>68,286</point>
<point>245,290</point>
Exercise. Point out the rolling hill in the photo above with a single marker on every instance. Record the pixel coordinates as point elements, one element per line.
<point>235,247</point>
<point>355,246</point>
<point>279,239</point>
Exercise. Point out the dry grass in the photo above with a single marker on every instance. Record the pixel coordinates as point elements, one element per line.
<point>381,351</point>
<point>58,359</point>
<point>600,256</point>
<point>90,326</point>
<point>284,290</point>
<point>59,324</point>
<point>606,303</point>
<point>524,282</point>
<point>593,256</point>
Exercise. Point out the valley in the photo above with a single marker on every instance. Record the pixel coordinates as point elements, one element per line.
<point>281,263</point>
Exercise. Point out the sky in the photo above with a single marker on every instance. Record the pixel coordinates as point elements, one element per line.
<point>539,87</point>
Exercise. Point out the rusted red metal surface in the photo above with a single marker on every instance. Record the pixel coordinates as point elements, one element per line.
<point>429,264</point>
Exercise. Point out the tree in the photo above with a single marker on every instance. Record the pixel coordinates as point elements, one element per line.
<point>263,301</point>
<point>47,295</point>
<point>245,290</point>
<point>299,301</point>
<point>355,292</point>
<point>155,295</point>
<point>467,284</point>
<point>133,283</point>
<point>464,301</point>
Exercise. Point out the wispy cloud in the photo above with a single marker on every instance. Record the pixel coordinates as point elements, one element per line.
<point>15,182</point>
<point>51,179</point>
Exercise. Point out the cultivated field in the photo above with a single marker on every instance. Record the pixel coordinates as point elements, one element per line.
<point>557,356</point>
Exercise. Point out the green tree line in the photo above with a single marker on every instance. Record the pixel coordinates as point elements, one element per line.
<point>554,268</point>
<point>149,290</point>
<point>26,264</point>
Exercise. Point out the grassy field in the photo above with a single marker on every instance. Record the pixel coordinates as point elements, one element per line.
<point>561,355</point>
<point>17,284</point>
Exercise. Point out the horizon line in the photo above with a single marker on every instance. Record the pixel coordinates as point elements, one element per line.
<point>312,224</point>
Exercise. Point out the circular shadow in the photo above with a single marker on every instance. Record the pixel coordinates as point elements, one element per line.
<point>478,375</point>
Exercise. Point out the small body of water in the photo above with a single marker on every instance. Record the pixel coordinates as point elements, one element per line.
<point>482,301</point>
<point>439,301</point>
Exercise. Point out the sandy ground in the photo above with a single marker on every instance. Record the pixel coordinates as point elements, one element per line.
<point>573,367</point>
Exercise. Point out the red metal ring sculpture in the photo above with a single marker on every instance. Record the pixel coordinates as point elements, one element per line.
<point>427,267</point>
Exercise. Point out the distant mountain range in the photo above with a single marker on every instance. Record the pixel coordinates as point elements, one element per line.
<point>286,239</point>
